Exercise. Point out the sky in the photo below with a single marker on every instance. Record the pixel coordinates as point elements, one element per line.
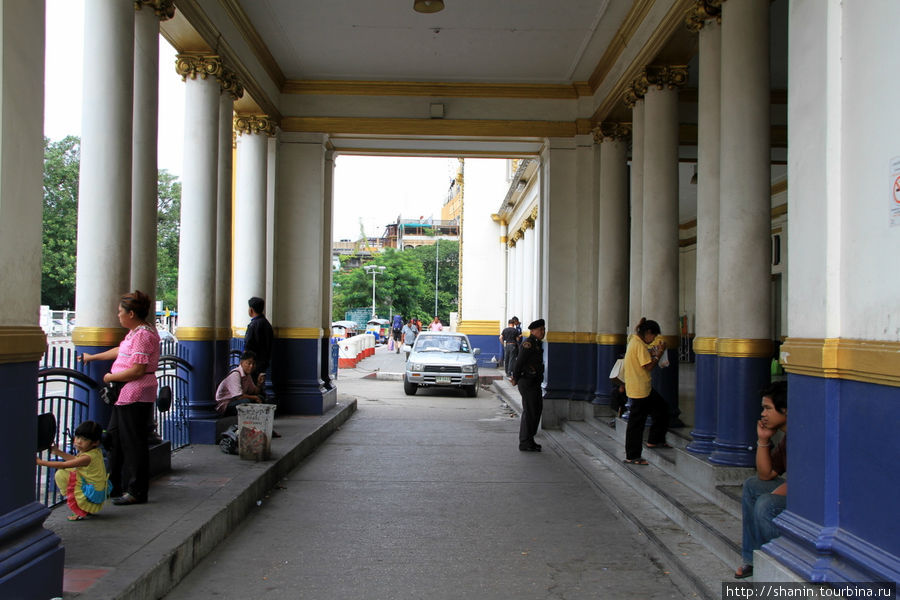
<point>371,190</point>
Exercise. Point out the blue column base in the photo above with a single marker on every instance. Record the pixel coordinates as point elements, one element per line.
<point>840,522</point>
<point>97,410</point>
<point>201,391</point>
<point>221,352</point>
<point>491,351</point>
<point>606,358</point>
<point>296,371</point>
<point>738,409</point>
<point>31,558</point>
<point>559,377</point>
<point>31,565</point>
<point>665,381</point>
<point>585,372</point>
<point>705,406</point>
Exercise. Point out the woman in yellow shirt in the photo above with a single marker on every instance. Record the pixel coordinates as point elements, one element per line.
<point>641,357</point>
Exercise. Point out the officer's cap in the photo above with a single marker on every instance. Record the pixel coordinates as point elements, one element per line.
<point>536,324</point>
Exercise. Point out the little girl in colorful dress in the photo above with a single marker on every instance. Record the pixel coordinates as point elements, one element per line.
<point>82,479</point>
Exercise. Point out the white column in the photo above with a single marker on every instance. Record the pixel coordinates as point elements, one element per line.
<point>745,213</point>
<point>104,192</point>
<point>527,289</point>
<point>708,155</point>
<point>635,307</point>
<point>223,216</point>
<point>250,213</point>
<point>659,283</point>
<point>144,194</point>
<point>199,195</point>
<point>21,163</point>
<point>612,311</point>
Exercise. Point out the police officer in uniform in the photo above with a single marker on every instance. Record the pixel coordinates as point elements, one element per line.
<point>528,375</point>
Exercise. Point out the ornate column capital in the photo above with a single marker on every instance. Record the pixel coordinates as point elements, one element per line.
<point>613,131</point>
<point>666,76</point>
<point>164,9</point>
<point>206,65</point>
<point>636,89</point>
<point>261,124</point>
<point>701,12</point>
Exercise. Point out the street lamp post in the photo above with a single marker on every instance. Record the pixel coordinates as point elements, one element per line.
<point>374,270</point>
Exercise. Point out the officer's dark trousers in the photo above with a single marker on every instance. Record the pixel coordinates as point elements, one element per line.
<point>532,406</point>
<point>510,352</point>
<point>655,406</point>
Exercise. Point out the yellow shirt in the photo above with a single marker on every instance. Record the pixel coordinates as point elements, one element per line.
<point>637,378</point>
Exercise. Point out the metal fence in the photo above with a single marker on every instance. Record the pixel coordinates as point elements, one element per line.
<point>63,390</point>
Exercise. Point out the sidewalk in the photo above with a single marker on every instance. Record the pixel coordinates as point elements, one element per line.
<point>138,552</point>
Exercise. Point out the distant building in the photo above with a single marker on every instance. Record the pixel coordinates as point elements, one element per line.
<point>405,234</point>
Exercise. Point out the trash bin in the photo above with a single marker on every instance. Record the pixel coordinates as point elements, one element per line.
<point>255,436</point>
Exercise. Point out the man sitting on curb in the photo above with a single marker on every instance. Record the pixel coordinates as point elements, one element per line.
<point>238,386</point>
<point>765,495</point>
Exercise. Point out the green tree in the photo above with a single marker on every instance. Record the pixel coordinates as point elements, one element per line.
<point>448,277</point>
<point>168,231</point>
<point>58,244</point>
<point>406,286</point>
<point>62,160</point>
<point>401,286</point>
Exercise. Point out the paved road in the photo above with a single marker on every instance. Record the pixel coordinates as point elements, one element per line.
<point>429,497</point>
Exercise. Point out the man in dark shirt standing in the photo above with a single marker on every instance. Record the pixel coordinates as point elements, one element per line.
<point>528,375</point>
<point>510,339</point>
<point>258,338</point>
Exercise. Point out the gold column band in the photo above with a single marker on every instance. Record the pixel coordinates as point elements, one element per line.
<point>744,348</point>
<point>868,361</point>
<point>299,333</point>
<point>196,334</point>
<point>223,333</point>
<point>705,345</point>
<point>22,344</point>
<point>571,337</point>
<point>611,339</point>
<point>98,336</point>
<point>672,341</point>
<point>479,327</point>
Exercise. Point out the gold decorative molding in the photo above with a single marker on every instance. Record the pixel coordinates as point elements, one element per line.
<point>223,333</point>
<point>98,336</point>
<point>613,131</point>
<point>254,40</point>
<point>744,348</point>
<point>611,339</point>
<point>620,41</point>
<point>299,333</point>
<point>436,89</point>
<point>649,49</point>
<point>22,344</point>
<point>259,124</point>
<point>868,361</point>
<point>208,65</point>
<point>666,76</point>
<point>503,239</point>
<point>417,127</point>
<point>703,11</point>
<point>705,345</point>
<point>164,9</point>
<point>196,334</point>
<point>479,327</point>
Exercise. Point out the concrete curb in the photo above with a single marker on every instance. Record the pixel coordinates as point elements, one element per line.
<point>171,555</point>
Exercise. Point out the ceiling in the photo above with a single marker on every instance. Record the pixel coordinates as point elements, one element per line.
<point>499,41</point>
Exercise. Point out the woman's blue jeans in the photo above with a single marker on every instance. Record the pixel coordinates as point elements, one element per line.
<point>760,507</point>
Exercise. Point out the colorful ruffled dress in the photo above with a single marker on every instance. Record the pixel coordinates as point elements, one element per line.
<point>71,481</point>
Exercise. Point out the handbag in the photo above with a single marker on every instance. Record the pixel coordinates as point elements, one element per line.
<point>109,393</point>
<point>92,494</point>
<point>618,370</point>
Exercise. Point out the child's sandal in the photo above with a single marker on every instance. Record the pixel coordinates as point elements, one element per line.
<point>77,518</point>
